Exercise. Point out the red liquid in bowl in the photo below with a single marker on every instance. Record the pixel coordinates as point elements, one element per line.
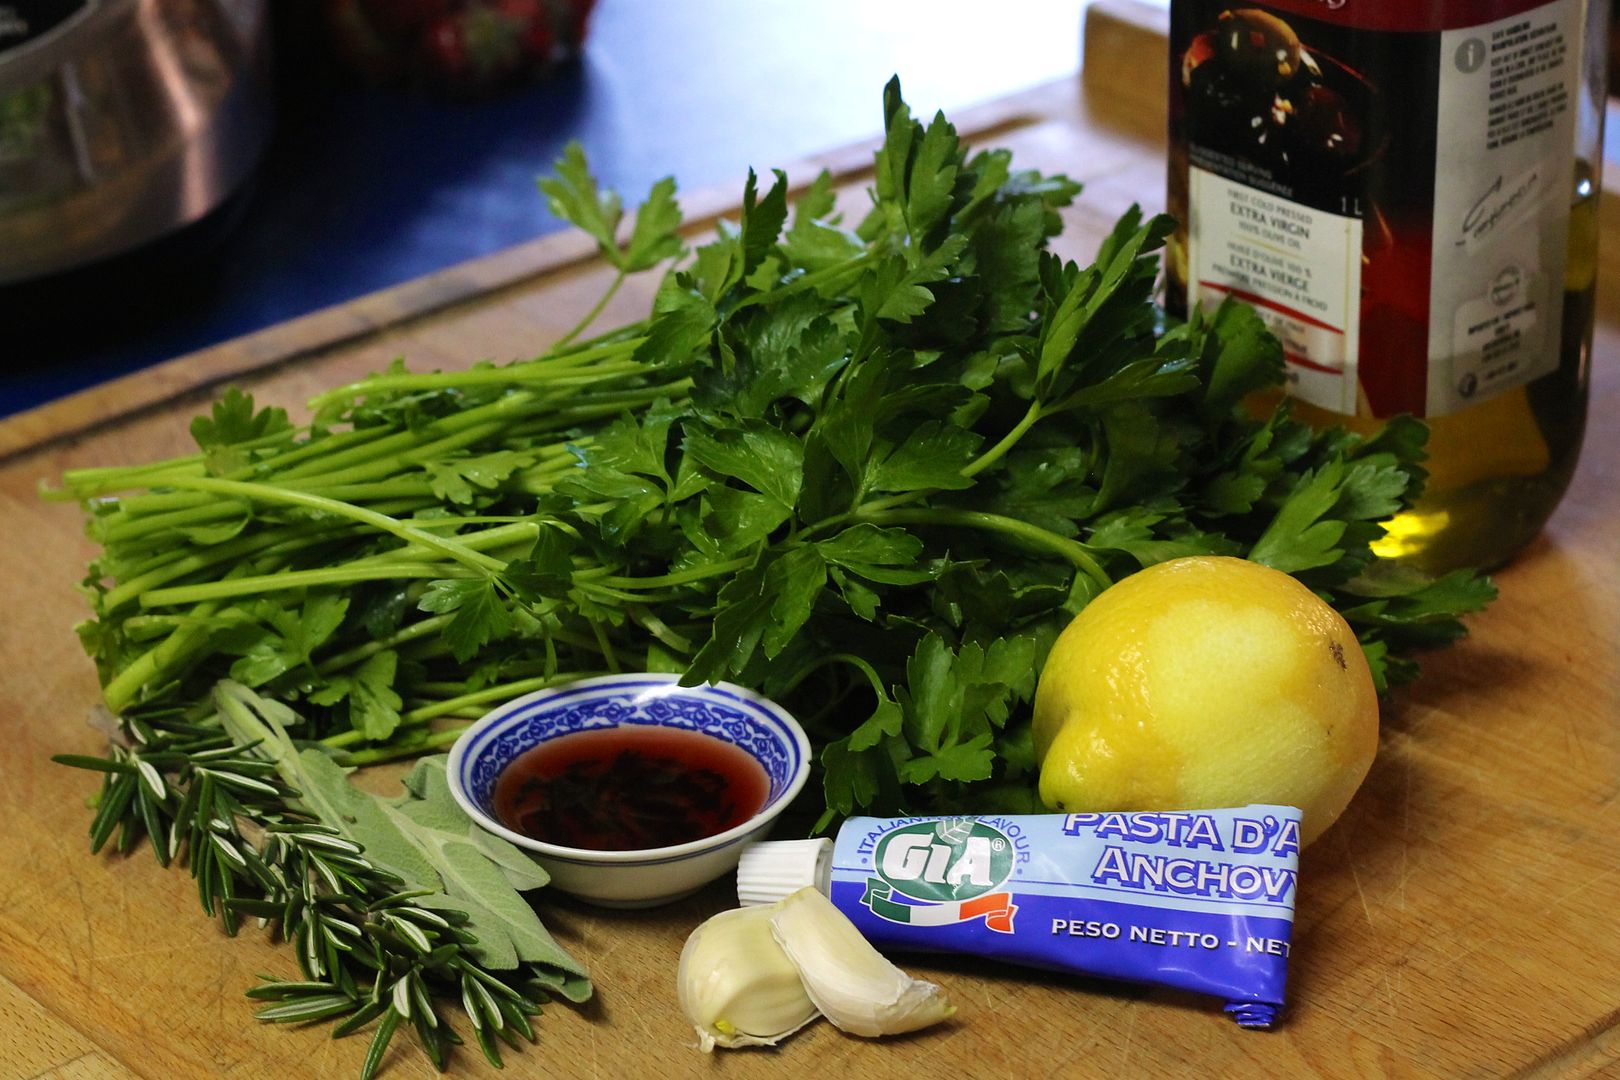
<point>629,788</point>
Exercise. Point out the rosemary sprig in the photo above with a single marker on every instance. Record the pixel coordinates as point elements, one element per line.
<point>370,952</point>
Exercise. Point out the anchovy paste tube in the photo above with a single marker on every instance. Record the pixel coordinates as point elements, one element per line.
<point>1199,900</point>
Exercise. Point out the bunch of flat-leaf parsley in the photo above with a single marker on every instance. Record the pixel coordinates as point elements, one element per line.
<point>870,472</point>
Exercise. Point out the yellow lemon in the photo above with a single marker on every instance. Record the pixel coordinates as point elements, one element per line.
<point>1205,683</point>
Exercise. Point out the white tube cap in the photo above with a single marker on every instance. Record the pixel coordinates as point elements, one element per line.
<point>773,869</point>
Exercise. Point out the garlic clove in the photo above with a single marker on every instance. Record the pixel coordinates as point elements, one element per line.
<point>736,984</point>
<point>850,981</point>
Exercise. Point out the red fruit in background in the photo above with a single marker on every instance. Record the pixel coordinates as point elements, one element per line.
<point>444,48</point>
<point>533,24</point>
<point>463,47</point>
<point>575,20</point>
<point>402,18</point>
<point>489,50</point>
<point>522,12</point>
<point>538,41</point>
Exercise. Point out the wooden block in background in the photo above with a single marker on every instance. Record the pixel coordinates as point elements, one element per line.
<point>1124,66</point>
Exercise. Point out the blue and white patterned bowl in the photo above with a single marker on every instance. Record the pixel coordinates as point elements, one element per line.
<point>655,875</point>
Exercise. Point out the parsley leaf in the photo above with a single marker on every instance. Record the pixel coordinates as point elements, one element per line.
<point>574,195</point>
<point>762,220</point>
<point>1241,356</point>
<point>888,556</point>
<point>765,458</point>
<point>814,242</point>
<point>232,420</point>
<point>373,702</point>
<point>685,319</point>
<point>932,456</point>
<point>457,480</point>
<point>291,640</point>
<point>653,239</point>
<point>480,614</point>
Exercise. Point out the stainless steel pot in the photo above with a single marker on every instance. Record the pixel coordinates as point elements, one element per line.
<point>122,121</point>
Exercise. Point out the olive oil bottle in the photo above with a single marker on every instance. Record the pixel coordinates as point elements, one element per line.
<point>1407,193</point>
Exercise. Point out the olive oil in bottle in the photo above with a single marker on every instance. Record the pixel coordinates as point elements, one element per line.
<point>1407,193</point>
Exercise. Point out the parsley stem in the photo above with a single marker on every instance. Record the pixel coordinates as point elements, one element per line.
<point>1045,539</point>
<point>864,512</point>
<point>77,483</point>
<point>471,519</point>
<point>683,577</point>
<point>592,406</point>
<point>806,281</point>
<point>659,629</point>
<point>153,666</point>
<point>590,316</point>
<point>295,579</point>
<point>186,562</point>
<point>348,457</point>
<point>133,527</point>
<point>609,655</point>
<point>73,478</point>
<point>548,370</point>
<point>349,463</point>
<point>502,692</point>
<point>391,445</point>
<point>389,463</point>
<point>158,535</point>
<point>147,668</point>
<point>265,493</point>
<point>1008,441</point>
<point>598,589</point>
<point>865,668</point>
<point>405,635</point>
<point>499,536</point>
<point>392,752</point>
<point>160,473</point>
<point>891,502</point>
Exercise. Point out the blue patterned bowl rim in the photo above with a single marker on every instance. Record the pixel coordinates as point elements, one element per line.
<point>749,721</point>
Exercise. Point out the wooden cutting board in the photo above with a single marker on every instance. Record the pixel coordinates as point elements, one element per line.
<point>1460,920</point>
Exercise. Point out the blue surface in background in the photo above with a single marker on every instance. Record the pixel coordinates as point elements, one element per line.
<point>366,187</point>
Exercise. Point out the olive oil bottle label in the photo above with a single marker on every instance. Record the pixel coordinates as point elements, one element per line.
<point>1389,184</point>
<point>1298,265</point>
<point>1501,215</point>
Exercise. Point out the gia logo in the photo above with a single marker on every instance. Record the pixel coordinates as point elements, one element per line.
<point>949,868</point>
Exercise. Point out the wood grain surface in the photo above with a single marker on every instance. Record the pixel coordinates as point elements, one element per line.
<point>1459,921</point>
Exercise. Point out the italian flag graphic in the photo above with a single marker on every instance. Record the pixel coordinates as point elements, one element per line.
<point>996,909</point>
